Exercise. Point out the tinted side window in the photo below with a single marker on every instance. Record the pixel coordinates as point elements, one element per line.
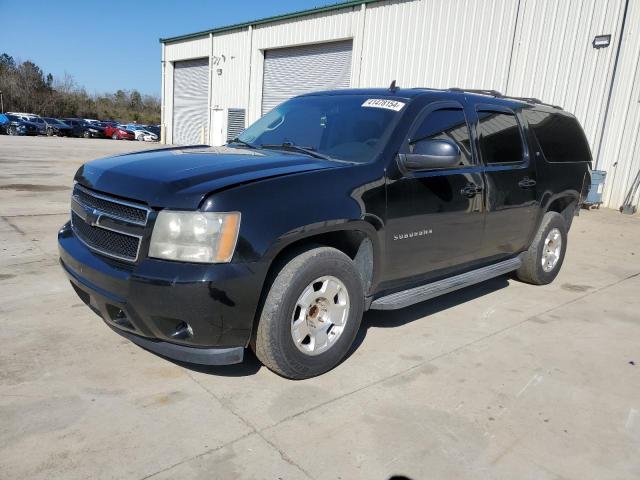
<point>560,137</point>
<point>500,137</point>
<point>446,123</point>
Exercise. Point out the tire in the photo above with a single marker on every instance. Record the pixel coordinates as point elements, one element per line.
<point>12,130</point>
<point>86,134</point>
<point>532,270</point>
<point>49,132</point>
<point>114,136</point>
<point>274,342</point>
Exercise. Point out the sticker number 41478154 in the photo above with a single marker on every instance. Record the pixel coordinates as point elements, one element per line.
<point>384,103</point>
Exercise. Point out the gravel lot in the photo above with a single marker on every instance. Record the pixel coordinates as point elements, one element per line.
<point>501,380</point>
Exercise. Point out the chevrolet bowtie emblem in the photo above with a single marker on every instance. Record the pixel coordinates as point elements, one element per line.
<point>93,217</point>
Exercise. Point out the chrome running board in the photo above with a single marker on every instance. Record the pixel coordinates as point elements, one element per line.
<point>430,290</point>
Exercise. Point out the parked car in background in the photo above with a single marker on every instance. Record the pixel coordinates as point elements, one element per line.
<point>4,123</point>
<point>155,129</point>
<point>18,126</point>
<point>119,132</point>
<point>38,121</point>
<point>141,133</point>
<point>57,127</point>
<point>81,128</point>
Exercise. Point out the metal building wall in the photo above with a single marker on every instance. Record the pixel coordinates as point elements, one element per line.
<point>187,49</point>
<point>620,152</point>
<point>438,43</point>
<point>230,67</point>
<point>554,60</point>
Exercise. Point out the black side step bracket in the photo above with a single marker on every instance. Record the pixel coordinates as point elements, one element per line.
<point>430,290</point>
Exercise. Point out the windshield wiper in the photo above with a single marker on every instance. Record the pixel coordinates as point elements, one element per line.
<point>242,142</point>
<point>290,147</point>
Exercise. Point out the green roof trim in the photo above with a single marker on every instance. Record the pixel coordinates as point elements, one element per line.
<point>275,18</point>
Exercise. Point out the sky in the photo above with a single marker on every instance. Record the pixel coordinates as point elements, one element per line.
<point>110,45</point>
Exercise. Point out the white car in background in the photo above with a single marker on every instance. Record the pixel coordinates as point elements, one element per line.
<point>141,134</point>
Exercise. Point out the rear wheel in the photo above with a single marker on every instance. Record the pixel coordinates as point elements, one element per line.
<point>86,134</point>
<point>542,262</point>
<point>311,314</point>
<point>114,136</point>
<point>49,132</point>
<point>12,130</point>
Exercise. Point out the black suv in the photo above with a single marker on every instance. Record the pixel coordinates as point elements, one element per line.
<point>331,204</point>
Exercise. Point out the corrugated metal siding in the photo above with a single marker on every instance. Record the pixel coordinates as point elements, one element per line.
<point>438,43</point>
<point>293,71</point>
<point>620,153</point>
<point>191,93</point>
<point>195,48</point>
<point>553,58</point>
<point>230,65</point>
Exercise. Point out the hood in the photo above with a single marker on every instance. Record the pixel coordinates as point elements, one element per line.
<point>181,178</point>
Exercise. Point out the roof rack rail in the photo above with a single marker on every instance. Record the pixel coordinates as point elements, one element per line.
<point>497,94</point>
<point>493,93</point>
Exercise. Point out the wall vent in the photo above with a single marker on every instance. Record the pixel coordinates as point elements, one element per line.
<point>235,122</point>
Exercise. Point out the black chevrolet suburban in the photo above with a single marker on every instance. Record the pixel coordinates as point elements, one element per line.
<point>331,204</point>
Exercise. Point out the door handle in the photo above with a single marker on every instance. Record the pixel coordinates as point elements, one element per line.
<point>470,190</point>
<point>526,182</point>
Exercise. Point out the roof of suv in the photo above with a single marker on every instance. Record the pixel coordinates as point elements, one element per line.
<point>448,94</point>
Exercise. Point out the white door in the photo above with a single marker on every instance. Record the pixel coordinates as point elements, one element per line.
<point>190,101</point>
<point>296,70</point>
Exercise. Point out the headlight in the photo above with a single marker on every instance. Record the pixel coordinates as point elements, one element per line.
<point>202,237</point>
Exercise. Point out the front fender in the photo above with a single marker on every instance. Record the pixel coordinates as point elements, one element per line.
<point>281,211</point>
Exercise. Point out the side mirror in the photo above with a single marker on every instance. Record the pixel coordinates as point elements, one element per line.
<point>431,154</point>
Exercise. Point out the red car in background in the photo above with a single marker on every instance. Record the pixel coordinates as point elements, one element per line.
<point>118,133</point>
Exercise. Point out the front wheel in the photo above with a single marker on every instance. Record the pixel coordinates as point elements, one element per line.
<point>311,314</point>
<point>114,136</point>
<point>541,263</point>
<point>86,134</point>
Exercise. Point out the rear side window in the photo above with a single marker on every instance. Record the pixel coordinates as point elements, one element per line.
<point>446,123</point>
<point>560,137</point>
<point>500,137</point>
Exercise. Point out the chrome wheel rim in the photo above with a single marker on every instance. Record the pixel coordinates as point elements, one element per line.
<point>320,315</point>
<point>551,250</point>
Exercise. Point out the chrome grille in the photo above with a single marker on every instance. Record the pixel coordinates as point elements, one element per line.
<point>107,225</point>
<point>107,242</point>
<point>111,207</point>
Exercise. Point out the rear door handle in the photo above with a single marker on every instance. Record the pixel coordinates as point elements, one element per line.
<point>470,190</point>
<point>526,183</point>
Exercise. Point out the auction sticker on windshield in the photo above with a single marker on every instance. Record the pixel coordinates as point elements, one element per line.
<point>394,105</point>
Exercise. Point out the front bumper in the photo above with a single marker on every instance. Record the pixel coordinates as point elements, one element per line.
<point>189,312</point>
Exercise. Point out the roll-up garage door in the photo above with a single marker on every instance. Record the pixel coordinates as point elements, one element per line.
<point>293,71</point>
<point>190,99</point>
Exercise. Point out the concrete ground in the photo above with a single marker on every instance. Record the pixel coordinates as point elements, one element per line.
<point>501,380</point>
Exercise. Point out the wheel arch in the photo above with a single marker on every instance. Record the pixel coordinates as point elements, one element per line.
<point>359,240</point>
<point>565,203</point>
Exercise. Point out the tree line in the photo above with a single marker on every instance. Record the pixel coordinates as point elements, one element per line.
<point>25,88</point>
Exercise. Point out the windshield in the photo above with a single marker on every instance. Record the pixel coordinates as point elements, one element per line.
<point>344,127</point>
